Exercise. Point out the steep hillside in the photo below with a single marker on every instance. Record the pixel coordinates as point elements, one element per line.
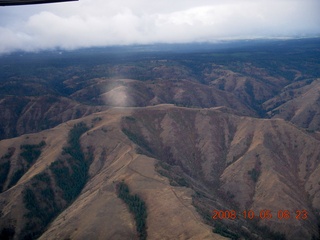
<point>135,93</point>
<point>257,164</point>
<point>298,103</point>
<point>182,163</point>
<point>29,114</point>
<point>42,192</point>
<point>251,84</point>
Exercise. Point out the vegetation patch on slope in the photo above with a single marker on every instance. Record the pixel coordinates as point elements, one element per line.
<point>137,139</point>
<point>7,233</point>
<point>5,167</point>
<point>136,206</point>
<point>254,174</point>
<point>54,189</point>
<point>40,201</point>
<point>71,174</point>
<point>175,177</point>
<point>29,155</point>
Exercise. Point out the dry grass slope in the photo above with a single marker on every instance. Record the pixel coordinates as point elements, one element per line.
<point>224,159</point>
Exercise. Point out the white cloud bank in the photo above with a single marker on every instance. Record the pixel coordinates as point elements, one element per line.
<point>112,22</point>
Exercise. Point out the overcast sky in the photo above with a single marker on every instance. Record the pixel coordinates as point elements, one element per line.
<point>89,23</point>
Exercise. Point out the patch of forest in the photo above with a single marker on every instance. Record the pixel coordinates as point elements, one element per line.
<point>28,156</point>
<point>136,206</point>
<point>51,191</point>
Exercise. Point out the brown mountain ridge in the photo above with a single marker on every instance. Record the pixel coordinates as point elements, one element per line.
<point>182,162</point>
<point>194,141</point>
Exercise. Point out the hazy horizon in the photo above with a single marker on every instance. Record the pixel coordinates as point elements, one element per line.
<point>98,23</point>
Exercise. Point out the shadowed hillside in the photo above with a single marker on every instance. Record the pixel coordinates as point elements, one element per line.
<point>32,114</point>
<point>298,103</point>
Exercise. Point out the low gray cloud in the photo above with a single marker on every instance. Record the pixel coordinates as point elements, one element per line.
<point>99,22</point>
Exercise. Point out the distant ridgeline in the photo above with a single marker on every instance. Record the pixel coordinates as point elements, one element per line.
<point>255,78</point>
